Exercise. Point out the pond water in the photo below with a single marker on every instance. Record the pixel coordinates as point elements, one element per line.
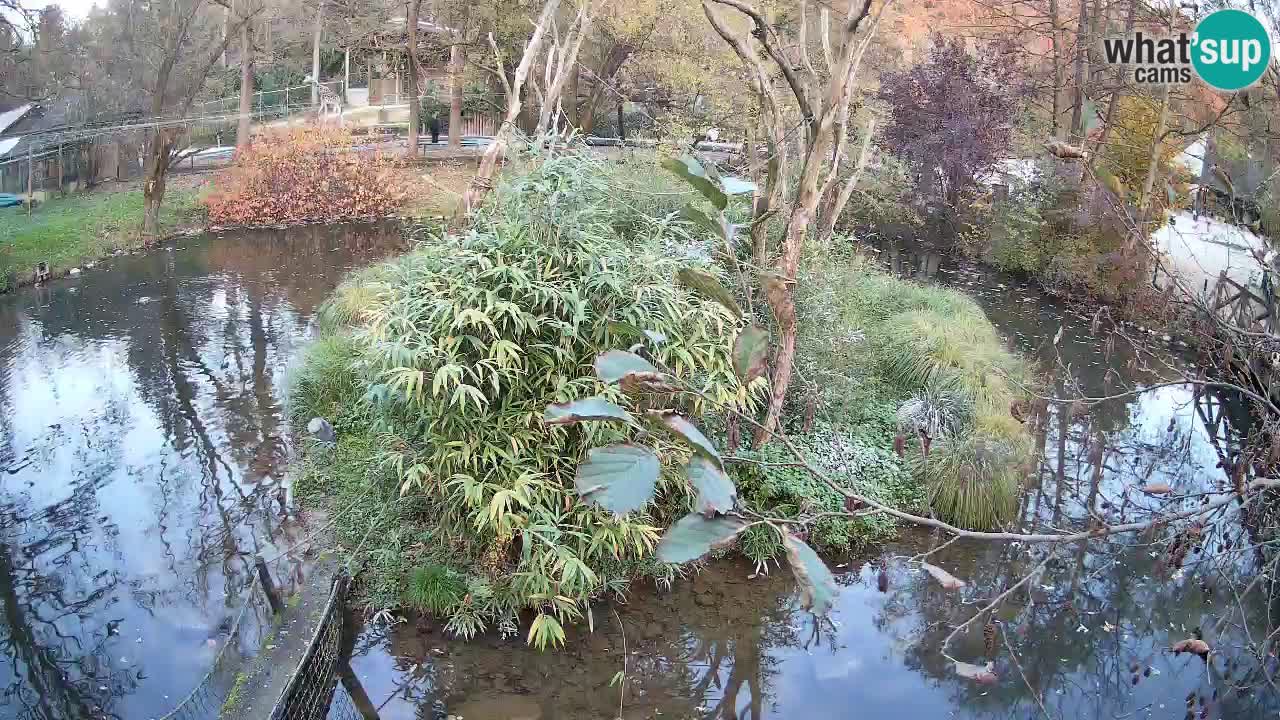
<point>143,444</point>
<point>1086,638</point>
<point>142,449</point>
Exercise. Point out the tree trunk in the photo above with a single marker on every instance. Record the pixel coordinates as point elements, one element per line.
<point>1108,118</point>
<point>622,129</point>
<point>1153,157</point>
<point>602,85</point>
<point>483,181</point>
<point>346,76</point>
<point>315,53</point>
<point>1057,67</point>
<point>157,166</point>
<point>246,87</point>
<point>457,63</point>
<point>226,28</point>
<point>1077,103</point>
<point>415,102</point>
<point>571,105</point>
<point>568,59</point>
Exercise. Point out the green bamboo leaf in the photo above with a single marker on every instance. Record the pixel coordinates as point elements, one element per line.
<point>817,586</point>
<point>693,536</point>
<point>750,350</point>
<point>706,284</point>
<point>680,425</point>
<point>736,186</point>
<point>716,492</point>
<point>694,174</point>
<point>614,365</point>
<point>619,478</point>
<point>592,408</point>
<point>702,220</point>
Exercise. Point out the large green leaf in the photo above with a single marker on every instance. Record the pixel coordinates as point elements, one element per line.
<point>817,586</point>
<point>705,283</point>
<point>680,425</point>
<point>702,220</point>
<point>619,478</point>
<point>750,350</point>
<point>694,174</point>
<point>613,365</point>
<point>716,492</point>
<point>592,408</point>
<point>736,186</point>
<point>693,536</point>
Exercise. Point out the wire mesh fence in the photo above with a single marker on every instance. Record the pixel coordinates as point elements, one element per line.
<point>310,691</point>
<point>219,685</point>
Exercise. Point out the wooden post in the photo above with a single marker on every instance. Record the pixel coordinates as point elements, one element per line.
<point>268,586</point>
<point>31,188</point>
<point>62,189</point>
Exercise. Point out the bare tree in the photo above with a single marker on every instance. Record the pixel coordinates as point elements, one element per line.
<point>483,181</point>
<point>190,41</point>
<point>822,103</point>
<point>415,102</point>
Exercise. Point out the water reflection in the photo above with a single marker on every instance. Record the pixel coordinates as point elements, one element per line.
<point>143,444</point>
<point>1086,638</point>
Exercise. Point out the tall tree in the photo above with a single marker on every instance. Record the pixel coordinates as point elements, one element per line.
<point>483,180</point>
<point>188,41</point>
<point>415,102</point>
<point>245,125</point>
<point>821,101</point>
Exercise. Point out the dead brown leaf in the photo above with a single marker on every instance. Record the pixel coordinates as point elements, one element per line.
<point>944,578</point>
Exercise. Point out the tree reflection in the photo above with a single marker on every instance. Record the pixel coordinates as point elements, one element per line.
<point>170,364</point>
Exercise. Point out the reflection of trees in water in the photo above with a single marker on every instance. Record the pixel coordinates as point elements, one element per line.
<point>703,651</point>
<point>202,333</point>
<point>54,610</point>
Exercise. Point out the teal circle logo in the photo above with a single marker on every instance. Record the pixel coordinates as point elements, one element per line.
<point>1231,50</point>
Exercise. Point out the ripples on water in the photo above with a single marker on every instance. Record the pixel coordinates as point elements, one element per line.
<point>142,448</point>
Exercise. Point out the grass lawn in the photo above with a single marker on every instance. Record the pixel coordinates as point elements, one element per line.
<point>66,232</point>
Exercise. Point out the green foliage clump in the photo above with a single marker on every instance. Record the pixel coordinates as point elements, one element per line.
<point>434,588</point>
<point>460,345</point>
<point>326,384</point>
<point>1018,229</point>
<point>771,480</point>
<point>1127,154</point>
<point>973,481</point>
<point>889,356</point>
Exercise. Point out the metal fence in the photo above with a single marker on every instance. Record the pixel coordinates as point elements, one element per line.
<point>207,700</point>
<point>310,690</point>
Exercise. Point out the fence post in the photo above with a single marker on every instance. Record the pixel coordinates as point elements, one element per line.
<point>31,189</point>
<point>62,189</point>
<point>268,586</point>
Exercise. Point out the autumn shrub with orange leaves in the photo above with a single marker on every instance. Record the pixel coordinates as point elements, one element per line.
<point>306,174</point>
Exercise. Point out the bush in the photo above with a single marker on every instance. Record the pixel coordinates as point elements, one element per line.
<point>307,174</point>
<point>972,481</point>
<point>459,346</point>
<point>852,461</point>
<point>888,356</point>
<point>1127,154</point>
